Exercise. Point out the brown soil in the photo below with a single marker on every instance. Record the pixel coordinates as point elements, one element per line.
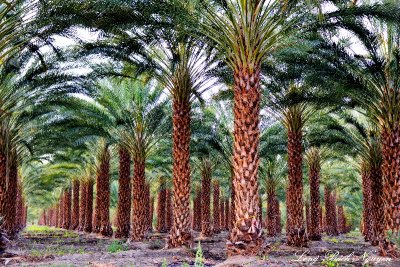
<point>66,248</point>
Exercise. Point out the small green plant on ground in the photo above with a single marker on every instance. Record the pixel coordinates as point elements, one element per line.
<point>332,240</point>
<point>199,261</point>
<point>164,263</point>
<point>117,246</point>
<point>330,261</point>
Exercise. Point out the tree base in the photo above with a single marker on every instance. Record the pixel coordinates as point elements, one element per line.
<point>388,249</point>
<point>122,232</point>
<point>253,248</point>
<point>106,231</point>
<point>315,237</point>
<point>183,240</point>
<point>297,238</point>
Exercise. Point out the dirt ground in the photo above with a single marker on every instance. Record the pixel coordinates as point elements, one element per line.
<point>44,246</point>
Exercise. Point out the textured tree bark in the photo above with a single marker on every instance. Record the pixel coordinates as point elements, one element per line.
<point>390,145</point>
<point>206,229</point>
<point>296,233</point>
<point>313,158</point>
<point>151,214</point>
<point>10,210</point>
<point>331,217</point>
<point>89,207</point>
<point>124,195</point>
<point>391,176</point>
<point>82,206</point>
<point>67,209</point>
<point>3,182</point>
<point>180,234</point>
<point>161,207</point>
<point>367,205</point>
<point>231,217</point>
<point>307,211</point>
<point>278,216</point>
<point>104,195</point>
<point>216,217</point>
<point>62,216</point>
<point>222,214</point>
<point>169,210</point>
<point>246,234</point>
<point>75,205</point>
<point>272,214</point>
<point>341,220</point>
<point>139,226</point>
<point>227,214</point>
<point>197,211</point>
<point>321,220</point>
<point>20,207</point>
<point>147,206</point>
<point>57,215</point>
<point>96,221</point>
<point>314,231</point>
<point>377,213</point>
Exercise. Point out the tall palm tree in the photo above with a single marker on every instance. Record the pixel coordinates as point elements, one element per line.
<point>313,159</point>
<point>144,132</point>
<point>257,28</point>
<point>184,74</point>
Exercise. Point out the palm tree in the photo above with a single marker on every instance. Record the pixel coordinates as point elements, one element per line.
<point>184,74</point>
<point>257,28</point>
<point>313,159</point>
<point>141,136</point>
<point>124,195</point>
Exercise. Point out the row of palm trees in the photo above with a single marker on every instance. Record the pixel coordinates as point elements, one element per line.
<point>280,52</point>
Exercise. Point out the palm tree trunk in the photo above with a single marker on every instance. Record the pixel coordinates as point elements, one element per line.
<point>206,229</point>
<point>75,205</point>
<point>247,229</point>
<point>216,217</point>
<point>151,214</point>
<point>57,224</point>
<point>314,230</point>
<point>341,220</point>
<point>89,207</point>
<point>9,225</point>
<point>278,216</point>
<point>104,195</point>
<point>321,220</point>
<point>18,220</point>
<point>197,211</point>
<point>296,233</point>
<point>366,190</point>
<point>227,214</point>
<point>180,234</point>
<point>82,206</point>
<point>390,144</point>
<point>3,183</point>
<point>307,211</point>
<point>222,214</point>
<point>271,220</point>
<point>161,207</point>
<point>377,213</point>
<point>124,195</point>
<point>61,219</point>
<point>147,206</point>
<point>138,229</point>
<point>331,217</point>
<point>169,210</point>
<point>391,170</point>
<point>67,209</point>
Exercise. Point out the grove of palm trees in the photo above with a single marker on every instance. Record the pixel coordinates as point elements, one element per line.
<point>200,132</point>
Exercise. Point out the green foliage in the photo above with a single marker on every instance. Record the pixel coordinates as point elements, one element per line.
<point>117,246</point>
<point>199,261</point>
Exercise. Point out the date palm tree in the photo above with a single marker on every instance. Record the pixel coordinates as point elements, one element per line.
<point>258,30</point>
